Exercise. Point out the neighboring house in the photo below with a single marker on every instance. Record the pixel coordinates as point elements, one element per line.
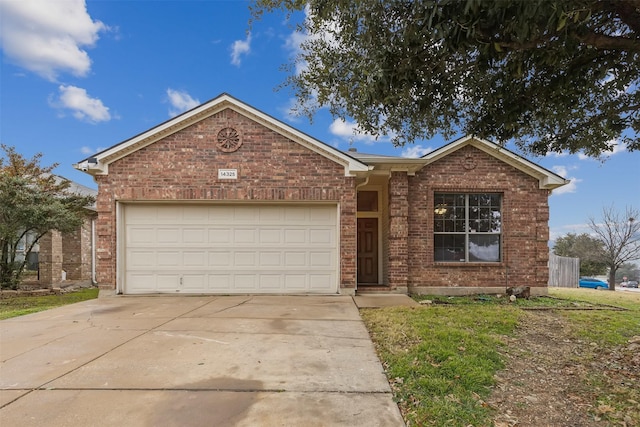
<point>21,251</point>
<point>225,199</point>
<point>69,256</point>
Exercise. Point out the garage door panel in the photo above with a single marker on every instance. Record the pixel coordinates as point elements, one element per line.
<point>167,282</point>
<point>318,216</point>
<point>197,259</point>
<point>295,282</point>
<point>323,235</point>
<point>244,235</point>
<point>230,249</point>
<point>270,259</point>
<point>220,282</point>
<point>140,235</point>
<point>321,259</point>
<point>295,236</point>
<point>244,282</point>
<point>318,281</point>
<point>271,216</point>
<point>219,235</point>
<point>243,215</point>
<point>195,214</point>
<point>220,259</point>
<point>194,235</point>
<point>168,235</point>
<point>295,259</point>
<point>167,214</point>
<point>168,259</point>
<point>194,282</point>
<point>142,282</point>
<point>244,259</point>
<point>270,236</point>
<point>270,282</point>
<point>141,259</point>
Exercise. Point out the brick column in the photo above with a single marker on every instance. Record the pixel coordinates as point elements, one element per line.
<point>50,258</point>
<point>398,230</point>
<point>76,247</point>
<point>348,244</point>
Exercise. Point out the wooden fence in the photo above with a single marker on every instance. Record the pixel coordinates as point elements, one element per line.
<point>564,272</point>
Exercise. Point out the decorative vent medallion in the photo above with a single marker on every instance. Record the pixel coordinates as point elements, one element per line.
<point>228,140</point>
<point>469,162</point>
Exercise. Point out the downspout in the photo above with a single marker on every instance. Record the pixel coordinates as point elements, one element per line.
<point>362,184</point>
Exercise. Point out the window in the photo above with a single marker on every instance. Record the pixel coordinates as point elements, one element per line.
<point>467,227</point>
<point>367,201</point>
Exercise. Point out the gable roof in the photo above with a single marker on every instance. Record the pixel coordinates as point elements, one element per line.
<point>98,164</point>
<point>547,180</point>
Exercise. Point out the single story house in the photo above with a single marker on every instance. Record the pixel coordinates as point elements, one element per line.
<point>225,199</point>
<point>60,257</point>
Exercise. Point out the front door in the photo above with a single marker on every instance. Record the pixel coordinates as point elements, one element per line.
<point>368,250</point>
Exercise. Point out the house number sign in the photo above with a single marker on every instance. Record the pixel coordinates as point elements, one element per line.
<point>227,173</point>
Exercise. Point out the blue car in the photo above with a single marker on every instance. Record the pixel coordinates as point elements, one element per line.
<point>589,282</point>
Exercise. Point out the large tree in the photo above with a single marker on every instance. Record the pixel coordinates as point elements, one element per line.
<point>551,75</point>
<point>585,247</point>
<point>33,201</point>
<point>620,237</point>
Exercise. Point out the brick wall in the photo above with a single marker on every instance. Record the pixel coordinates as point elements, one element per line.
<point>76,249</point>
<point>525,215</point>
<point>50,258</point>
<point>398,229</point>
<point>183,166</point>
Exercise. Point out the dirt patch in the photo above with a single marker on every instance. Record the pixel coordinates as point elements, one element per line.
<point>546,379</point>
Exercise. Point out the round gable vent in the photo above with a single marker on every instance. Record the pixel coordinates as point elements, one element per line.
<point>228,140</point>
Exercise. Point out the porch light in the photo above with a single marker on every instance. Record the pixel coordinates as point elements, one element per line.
<point>440,209</point>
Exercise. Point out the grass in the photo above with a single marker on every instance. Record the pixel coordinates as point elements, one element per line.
<point>21,305</point>
<point>605,328</point>
<point>615,390</point>
<point>441,359</point>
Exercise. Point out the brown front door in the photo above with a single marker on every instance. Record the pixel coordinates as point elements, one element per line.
<point>368,250</point>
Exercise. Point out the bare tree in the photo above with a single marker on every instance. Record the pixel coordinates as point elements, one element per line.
<point>620,236</point>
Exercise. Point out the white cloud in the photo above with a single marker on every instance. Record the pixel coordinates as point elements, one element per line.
<point>563,171</point>
<point>556,154</point>
<point>180,102</point>
<point>351,131</point>
<point>82,106</point>
<point>88,150</point>
<point>617,147</point>
<point>239,48</point>
<point>294,45</point>
<point>47,37</point>
<point>415,151</point>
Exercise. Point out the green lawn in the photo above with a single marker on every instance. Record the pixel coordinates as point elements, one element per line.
<point>441,358</point>
<point>21,305</point>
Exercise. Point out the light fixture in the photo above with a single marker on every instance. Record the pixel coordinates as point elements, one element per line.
<point>440,209</point>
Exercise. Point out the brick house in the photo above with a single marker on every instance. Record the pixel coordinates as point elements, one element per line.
<point>225,199</point>
<point>69,256</point>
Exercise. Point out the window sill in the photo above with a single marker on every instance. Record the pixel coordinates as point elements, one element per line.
<point>468,264</point>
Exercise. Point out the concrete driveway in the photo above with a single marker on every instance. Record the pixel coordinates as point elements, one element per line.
<point>194,361</point>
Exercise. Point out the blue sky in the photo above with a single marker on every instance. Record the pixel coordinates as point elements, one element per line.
<point>77,77</point>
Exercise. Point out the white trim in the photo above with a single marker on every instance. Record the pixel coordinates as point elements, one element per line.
<point>546,179</point>
<point>99,164</point>
<point>120,248</point>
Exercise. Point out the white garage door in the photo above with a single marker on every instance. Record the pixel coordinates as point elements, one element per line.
<point>224,249</point>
